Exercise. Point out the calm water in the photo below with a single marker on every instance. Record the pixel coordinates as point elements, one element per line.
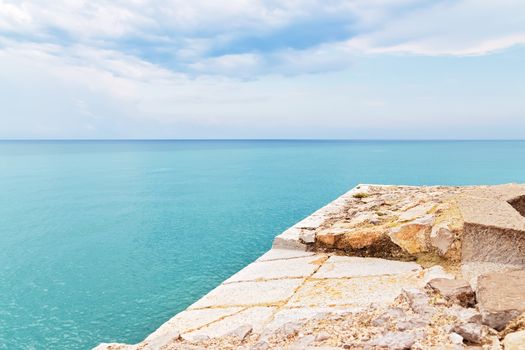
<point>104,241</point>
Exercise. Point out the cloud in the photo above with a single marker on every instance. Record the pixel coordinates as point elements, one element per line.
<point>111,68</point>
<point>266,37</point>
<point>457,28</point>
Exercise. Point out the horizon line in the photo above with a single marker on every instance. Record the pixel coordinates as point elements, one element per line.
<point>250,139</point>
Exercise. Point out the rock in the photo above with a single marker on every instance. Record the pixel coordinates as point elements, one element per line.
<point>517,324</point>
<point>289,239</point>
<point>159,342</point>
<point>322,336</point>
<point>495,344</point>
<point>500,297</point>
<point>455,338</point>
<point>261,345</point>
<point>390,315</point>
<point>242,332</point>
<point>307,236</point>
<point>412,236</point>
<point>364,217</point>
<point>200,337</point>
<point>464,315</point>
<point>329,237</point>
<point>411,323</point>
<point>302,342</point>
<point>515,341</point>
<point>436,271</point>
<point>471,332</point>
<point>113,346</point>
<point>394,340</point>
<point>416,211</point>
<point>418,301</point>
<point>457,291</point>
<point>289,329</point>
<point>441,237</point>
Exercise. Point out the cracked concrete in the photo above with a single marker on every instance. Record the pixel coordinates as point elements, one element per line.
<point>303,276</point>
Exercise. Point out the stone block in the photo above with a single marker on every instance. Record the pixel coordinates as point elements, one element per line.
<point>342,266</point>
<point>292,268</point>
<point>249,293</point>
<point>457,291</point>
<point>279,254</point>
<point>501,297</point>
<point>289,239</point>
<point>189,320</point>
<point>361,291</point>
<point>255,317</point>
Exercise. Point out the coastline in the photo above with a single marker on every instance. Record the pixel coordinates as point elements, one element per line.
<point>367,252</point>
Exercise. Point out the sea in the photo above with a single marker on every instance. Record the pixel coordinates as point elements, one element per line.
<point>103,241</point>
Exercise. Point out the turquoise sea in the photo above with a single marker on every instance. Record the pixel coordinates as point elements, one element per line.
<point>106,240</point>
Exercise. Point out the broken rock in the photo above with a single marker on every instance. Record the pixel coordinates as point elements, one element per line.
<point>242,332</point>
<point>412,236</point>
<point>395,340</point>
<point>457,291</point>
<point>515,341</point>
<point>501,297</point>
<point>471,332</point>
<point>441,238</point>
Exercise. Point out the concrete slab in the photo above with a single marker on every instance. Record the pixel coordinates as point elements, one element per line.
<point>289,239</point>
<point>416,212</point>
<point>278,254</point>
<point>311,222</point>
<point>249,293</point>
<point>292,268</point>
<point>360,291</point>
<point>285,315</point>
<point>256,317</point>
<point>190,320</point>
<point>343,266</point>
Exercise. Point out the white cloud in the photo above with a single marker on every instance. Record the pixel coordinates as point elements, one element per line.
<point>185,31</point>
<point>103,61</point>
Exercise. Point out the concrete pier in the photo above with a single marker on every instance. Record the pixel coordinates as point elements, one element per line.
<point>373,250</point>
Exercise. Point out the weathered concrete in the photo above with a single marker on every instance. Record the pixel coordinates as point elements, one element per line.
<point>501,297</point>
<point>346,267</point>
<point>249,293</point>
<point>304,285</point>
<point>256,317</point>
<point>494,230</point>
<point>280,254</point>
<point>457,291</point>
<point>354,291</point>
<point>274,269</point>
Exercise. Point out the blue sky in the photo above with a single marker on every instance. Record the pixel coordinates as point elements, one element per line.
<point>361,69</point>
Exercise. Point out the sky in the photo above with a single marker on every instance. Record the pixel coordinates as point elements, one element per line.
<point>354,69</point>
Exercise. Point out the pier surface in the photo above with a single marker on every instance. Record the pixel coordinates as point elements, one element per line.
<point>381,267</point>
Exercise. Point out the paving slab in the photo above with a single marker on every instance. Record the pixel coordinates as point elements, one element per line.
<point>289,239</point>
<point>344,266</point>
<point>311,222</point>
<point>292,268</point>
<point>279,254</point>
<point>256,317</point>
<point>359,291</point>
<point>249,293</point>
<point>285,315</point>
<point>192,319</point>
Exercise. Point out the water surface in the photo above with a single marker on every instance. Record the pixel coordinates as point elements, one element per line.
<point>105,240</point>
